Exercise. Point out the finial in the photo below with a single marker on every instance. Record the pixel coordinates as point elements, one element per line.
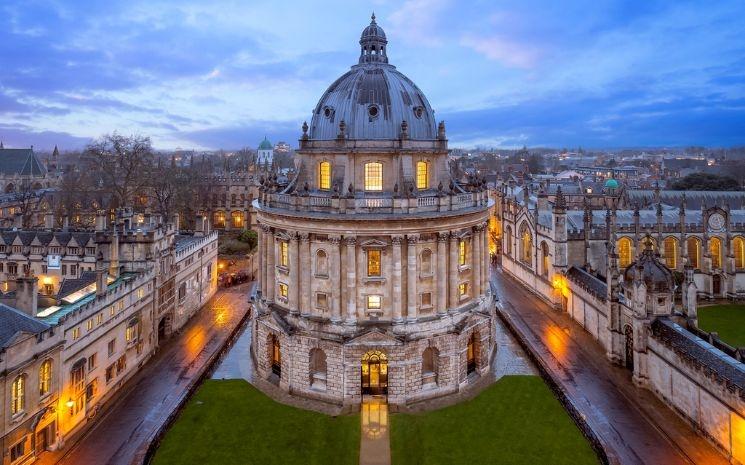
<point>373,17</point>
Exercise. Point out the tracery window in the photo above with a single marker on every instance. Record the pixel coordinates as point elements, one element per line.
<point>422,175</point>
<point>694,252</point>
<point>45,377</point>
<point>324,175</point>
<point>373,176</point>
<point>715,249</point>
<point>738,245</point>
<point>526,246</point>
<point>373,263</point>
<point>624,252</point>
<point>671,252</point>
<point>18,395</point>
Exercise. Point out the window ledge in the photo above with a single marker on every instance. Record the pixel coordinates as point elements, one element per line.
<point>374,279</point>
<point>283,269</point>
<point>464,268</point>
<point>426,275</point>
<point>321,276</point>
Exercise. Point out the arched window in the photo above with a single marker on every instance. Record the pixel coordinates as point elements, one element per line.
<point>219,219</point>
<point>237,219</point>
<point>18,395</point>
<point>373,176</point>
<point>275,355</point>
<point>545,260</point>
<point>671,252</point>
<point>422,175</point>
<point>322,263</point>
<point>425,262</point>
<point>526,245</point>
<point>317,369</point>
<point>472,354</point>
<point>715,249</point>
<point>624,252</point>
<point>738,244</point>
<point>324,175</point>
<point>45,377</point>
<point>694,252</point>
<point>430,358</point>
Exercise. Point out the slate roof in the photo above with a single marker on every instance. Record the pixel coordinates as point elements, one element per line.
<point>588,282</point>
<point>20,161</point>
<point>14,321</point>
<point>70,285</point>
<point>45,237</point>
<point>694,199</point>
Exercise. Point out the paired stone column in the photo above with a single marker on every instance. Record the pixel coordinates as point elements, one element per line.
<point>486,263</point>
<point>476,258</point>
<point>397,305</point>
<point>305,269</point>
<point>442,285</point>
<point>261,270</point>
<point>411,278</point>
<point>294,300</point>
<point>271,273</point>
<point>453,287</point>
<point>351,242</point>
<point>335,270</point>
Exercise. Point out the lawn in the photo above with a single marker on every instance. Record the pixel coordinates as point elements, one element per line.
<point>727,320</point>
<point>515,421</point>
<point>231,422</point>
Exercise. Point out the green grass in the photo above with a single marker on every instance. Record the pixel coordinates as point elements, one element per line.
<point>231,422</point>
<point>515,421</point>
<point>727,320</point>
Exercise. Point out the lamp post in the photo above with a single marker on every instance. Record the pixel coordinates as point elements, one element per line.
<point>70,404</point>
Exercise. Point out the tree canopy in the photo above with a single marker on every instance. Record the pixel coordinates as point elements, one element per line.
<point>706,182</point>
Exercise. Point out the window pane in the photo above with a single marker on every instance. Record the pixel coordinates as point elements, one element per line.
<point>373,262</point>
<point>422,175</point>
<point>324,175</point>
<point>373,176</point>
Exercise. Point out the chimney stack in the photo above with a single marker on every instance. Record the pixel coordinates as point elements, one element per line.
<point>175,222</point>
<point>100,276</point>
<point>100,220</point>
<point>114,256</point>
<point>199,225</point>
<point>27,299</point>
<point>49,221</point>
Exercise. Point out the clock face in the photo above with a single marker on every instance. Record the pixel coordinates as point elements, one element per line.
<point>716,221</point>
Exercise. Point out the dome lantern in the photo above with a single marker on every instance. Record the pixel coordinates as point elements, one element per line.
<point>373,44</point>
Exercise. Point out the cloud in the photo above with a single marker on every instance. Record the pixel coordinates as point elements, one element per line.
<point>505,51</point>
<point>417,21</point>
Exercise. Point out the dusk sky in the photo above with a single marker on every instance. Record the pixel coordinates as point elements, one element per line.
<point>208,75</point>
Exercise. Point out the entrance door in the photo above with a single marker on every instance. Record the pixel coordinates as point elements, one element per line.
<point>374,373</point>
<point>471,354</point>
<point>716,285</point>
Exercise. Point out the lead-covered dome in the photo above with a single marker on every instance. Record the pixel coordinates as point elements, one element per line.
<point>373,99</point>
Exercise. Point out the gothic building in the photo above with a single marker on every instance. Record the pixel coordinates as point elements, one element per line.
<point>374,259</point>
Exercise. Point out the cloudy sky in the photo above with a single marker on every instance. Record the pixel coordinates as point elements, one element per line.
<point>221,74</point>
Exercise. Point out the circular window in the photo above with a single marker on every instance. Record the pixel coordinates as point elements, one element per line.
<point>372,110</point>
<point>418,112</point>
<point>328,112</point>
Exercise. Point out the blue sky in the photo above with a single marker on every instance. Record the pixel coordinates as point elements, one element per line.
<point>221,74</point>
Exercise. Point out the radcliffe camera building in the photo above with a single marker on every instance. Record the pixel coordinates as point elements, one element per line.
<point>374,258</point>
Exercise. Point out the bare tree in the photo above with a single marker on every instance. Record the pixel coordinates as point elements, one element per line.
<point>123,163</point>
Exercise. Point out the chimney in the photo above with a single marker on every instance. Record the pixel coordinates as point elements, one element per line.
<point>65,223</point>
<point>49,221</point>
<point>175,222</point>
<point>18,221</point>
<point>199,225</point>
<point>114,256</point>
<point>100,220</point>
<point>100,276</point>
<point>27,299</point>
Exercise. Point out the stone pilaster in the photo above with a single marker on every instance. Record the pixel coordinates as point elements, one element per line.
<point>442,285</point>
<point>294,297</point>
<point>485,264</point>
<point>397,305</point>
<point>350,243</point>
<point>476,258</point>
<point>453,275</point>
<point>261,271</point>
<point>335,274</point>
<point>411,278</point>
<point>271,273</point>
<point>305,270</point>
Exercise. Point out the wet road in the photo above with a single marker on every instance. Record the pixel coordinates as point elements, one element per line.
<point>635,425</point>
<point>158,388</point>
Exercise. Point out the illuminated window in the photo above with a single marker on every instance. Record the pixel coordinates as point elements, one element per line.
<point>284,256</point>
<point>462,252</point>
<point>715,249</point>
<point>694,251</point>
<point>526,244</point>
<point>373,176</point>
<point>463,289</point>
<point>373,262</point>
<point>324,175</point>
<point>76,333</point>
<point>374,302</point>
<point>739,250</point>
<point>131,333</point>
<point>671,252</point>
<point>18,395</point>
<point>219,219</point>
<point>624,252</point>
<point>89,325</point>
<point>283,290</point>
<point>422,175</point>
<point>237,219</point>
<point>45,377</point>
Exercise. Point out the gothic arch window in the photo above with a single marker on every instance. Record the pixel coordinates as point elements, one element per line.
<point>738,246</point>
<point>526,245</point>
<point>693,244</point>
<point>670,247</point>
<point>324,175</point>
<point>373,176</point>
<point>425,262</point>
<point>715,249</point>
<point>422,175</point>
<point>18,395</point>
<point>322,263</point>
<point>430,358</point>
<point>545,260</point>
<point>237,219</point>
<point>317,369</point>
<point>45,377</point>
<point>624,252</point>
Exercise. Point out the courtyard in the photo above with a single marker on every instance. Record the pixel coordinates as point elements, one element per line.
<point>726,320</point>
<point>517,420</point>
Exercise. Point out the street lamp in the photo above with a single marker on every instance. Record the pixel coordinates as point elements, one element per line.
<point>70,404</point>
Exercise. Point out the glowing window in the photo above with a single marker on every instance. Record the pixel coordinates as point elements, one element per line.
<point>739,245</point>
<point>374,302</point>
<point>324,175</point>
<point>694,251</point>
<point>715,249</point>
<point>18,395</point>
<point>373,262</point>
<point>284,254</point>
<point>45,377</point>
<point>624,252</point>
<point>671,252</point>
<point>463,289</point>
<point>462,252</point>
<point>373,176</point>
<point>422,175</point>
<point>526,243</point>
<point>237,219</point>
<point>283,290</point>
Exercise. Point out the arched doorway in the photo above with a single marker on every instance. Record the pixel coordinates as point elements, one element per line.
<point>629,333</point>
<point>374,373</point>
<point>472,349</point>
<point>716,285</point>
<point>276,356</point>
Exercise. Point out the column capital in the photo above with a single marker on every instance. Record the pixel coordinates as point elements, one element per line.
<point>443,236</point>
<point>335,240</point>
<point>479,227</point>
<point>304,237</point>
<point>412,238</point>
<point>396,240</point>
<point>351,240</point>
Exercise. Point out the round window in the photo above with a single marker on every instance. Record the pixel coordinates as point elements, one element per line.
<point>418,112</point>
<point>372,110</point>
<point>328,112</point>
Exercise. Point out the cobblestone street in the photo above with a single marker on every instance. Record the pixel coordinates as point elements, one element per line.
<point>154,392</point>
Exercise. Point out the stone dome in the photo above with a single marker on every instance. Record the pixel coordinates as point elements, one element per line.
<point>265,145</point>
<point>656,276</point>
<point>373,99</point>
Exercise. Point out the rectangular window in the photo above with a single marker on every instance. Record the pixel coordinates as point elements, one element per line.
<point>99,318</point>
<point>324,175</point>
<point>283,291</point>
<point>131,333</point>
<point>463,289</point>
<point>64,270</point>
<point>78,377</point>
<point>284,254</point>
<point>322,300</point>
<point>374,302</point>
<point>140,293</point>
<point>462,252</point>
<point>121,364</point>
<point>89,325</point>
<point>426,299</point>
<point>110,373</point>
<point>91,390</point>
<point>112,347</point>
<point>18,450</point>
<point>373,176</point>
<point>422,175</point>
<point>112,311</point>
<point>373,263</point>
<point>91,362</point>
<point>75,333</point>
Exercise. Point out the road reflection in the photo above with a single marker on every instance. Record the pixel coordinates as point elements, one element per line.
<point>556,341</point>
<point>374,418</point>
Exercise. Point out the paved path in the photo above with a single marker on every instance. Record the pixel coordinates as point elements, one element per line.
<point>635,426</point>
<point>375,444</point>
<point>154,392</point>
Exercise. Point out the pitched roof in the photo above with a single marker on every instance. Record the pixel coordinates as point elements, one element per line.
<point>13,322</point>
<point>20,161</point>
<point>70,285</point>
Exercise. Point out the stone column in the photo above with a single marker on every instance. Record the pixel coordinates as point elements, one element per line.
<point>294,297</point>
<point>351,280</point>
<point>335,277</point>
<point>397,306</point>
<point>476,258</point>
<point>486,263</point>
<point>305,269</point>
<point>271,273</point>
<point>260,276</point>
<point>411,278</point>
<point>442,274</point>
<point>453,287</point>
